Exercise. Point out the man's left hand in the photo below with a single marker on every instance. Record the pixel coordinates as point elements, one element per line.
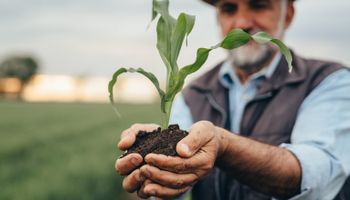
<point>172,176</point>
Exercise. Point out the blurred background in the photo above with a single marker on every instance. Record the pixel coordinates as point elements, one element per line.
<point>57,131</point>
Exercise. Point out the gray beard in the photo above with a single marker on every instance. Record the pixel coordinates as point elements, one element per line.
<point>251,58</point>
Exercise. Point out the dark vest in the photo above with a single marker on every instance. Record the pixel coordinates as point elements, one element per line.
<point>269,117</point>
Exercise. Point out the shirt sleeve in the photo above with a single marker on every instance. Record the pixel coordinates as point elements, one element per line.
<point>321,138</point>
<point>180,113</point>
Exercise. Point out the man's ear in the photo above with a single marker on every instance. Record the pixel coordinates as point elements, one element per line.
<point>290,13</point>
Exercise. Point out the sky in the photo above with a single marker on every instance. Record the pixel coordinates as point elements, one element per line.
<point>96,37</point>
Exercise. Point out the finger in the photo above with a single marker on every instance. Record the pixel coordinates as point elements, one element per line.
<point>133,181</point>
<point>166,178</point>
<point>199,135</point>
<point>175,164</point>
<point>157,190</point>
<point>128,136</point>
<point>128,163</point>
<point>141,193</point>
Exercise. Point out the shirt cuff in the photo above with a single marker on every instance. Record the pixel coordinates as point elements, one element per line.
<point>322,173</point>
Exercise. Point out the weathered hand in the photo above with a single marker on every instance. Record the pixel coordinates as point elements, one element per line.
<point>173,176</point>
<point>127,166</point>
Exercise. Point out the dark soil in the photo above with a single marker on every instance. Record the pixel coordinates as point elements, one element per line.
<point>158,141</point>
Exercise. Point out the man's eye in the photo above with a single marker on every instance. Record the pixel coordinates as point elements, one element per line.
<point>228,8</point>
<point>259,4</point>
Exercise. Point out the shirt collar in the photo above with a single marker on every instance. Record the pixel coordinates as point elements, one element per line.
<point>227,75</point>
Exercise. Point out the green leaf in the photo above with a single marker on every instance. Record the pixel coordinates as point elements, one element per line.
<point>202,56</point>
<point>165,26</point>
<point>234,39</point>
<point>148,75</point>
<point>162,7</point>
<point>183,27</point>
<point>113,81</point>
<point>286,52</point>
<point>190,21</point>
<point>154,11</point>
<point>163,42</point>
<point>262,38</point>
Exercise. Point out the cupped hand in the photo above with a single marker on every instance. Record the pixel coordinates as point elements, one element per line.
<point>172,176</point>
<point>128,165</point>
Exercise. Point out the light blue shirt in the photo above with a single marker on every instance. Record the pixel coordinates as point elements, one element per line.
<point>321,135</point>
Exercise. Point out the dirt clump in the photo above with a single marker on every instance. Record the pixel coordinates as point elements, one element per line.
<point>158,141</point>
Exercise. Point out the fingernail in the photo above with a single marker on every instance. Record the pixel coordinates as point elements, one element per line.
<point>185,148</point>
<point>134,161</point>
<point>147,173</point>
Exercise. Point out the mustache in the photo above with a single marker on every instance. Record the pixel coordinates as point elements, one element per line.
<point>252,31</point>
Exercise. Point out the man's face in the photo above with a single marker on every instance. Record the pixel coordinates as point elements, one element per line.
<point>249,15</point>
<point>253,16</point>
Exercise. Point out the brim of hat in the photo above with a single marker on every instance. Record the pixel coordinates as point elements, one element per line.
<point>213,2</point>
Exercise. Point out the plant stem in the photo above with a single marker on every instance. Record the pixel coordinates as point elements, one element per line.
<point>168,106</point>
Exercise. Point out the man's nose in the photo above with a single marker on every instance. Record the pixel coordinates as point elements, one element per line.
<point>243,20</point>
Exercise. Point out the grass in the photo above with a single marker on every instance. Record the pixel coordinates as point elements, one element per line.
<point>64,151</point>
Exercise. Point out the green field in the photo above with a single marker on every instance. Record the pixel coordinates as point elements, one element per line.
<point>63,151</point>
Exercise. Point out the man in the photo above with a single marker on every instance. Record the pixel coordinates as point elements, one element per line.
<point>255,131</point>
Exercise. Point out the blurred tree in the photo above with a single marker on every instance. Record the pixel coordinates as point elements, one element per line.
<point>21,67</point>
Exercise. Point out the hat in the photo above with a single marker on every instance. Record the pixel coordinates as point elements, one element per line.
<point>212,2</point>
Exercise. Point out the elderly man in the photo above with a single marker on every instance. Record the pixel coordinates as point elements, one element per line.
<point>255,131</point>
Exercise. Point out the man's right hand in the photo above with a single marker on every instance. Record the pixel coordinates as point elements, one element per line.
<point>127,166</point>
